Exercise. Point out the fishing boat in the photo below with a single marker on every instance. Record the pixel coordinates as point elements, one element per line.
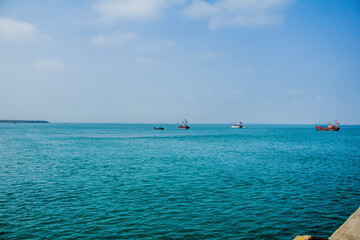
<point>331,127</point>
<point>158,128</point>
<point>238,125</point>
<point>183,125</point>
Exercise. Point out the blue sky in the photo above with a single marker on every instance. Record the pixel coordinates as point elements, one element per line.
<point>221,61</point>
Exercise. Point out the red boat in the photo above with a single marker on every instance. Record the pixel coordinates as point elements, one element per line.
<point>331,127</point>
<point>183,125</point>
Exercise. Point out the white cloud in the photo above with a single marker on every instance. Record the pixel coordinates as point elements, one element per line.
<point>138,10</point>
<point>199,8</point>
<point>245,13</point>
<point>13,30</point>
<point>111,10</point>
<point>319,98</point>
<point>117,38</point>
<point>53,64</point>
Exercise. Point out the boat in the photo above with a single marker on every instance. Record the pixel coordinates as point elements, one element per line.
<point>238,125</point>
<point>158,128</point>
<point>183,125</point>
<point>331,127</point>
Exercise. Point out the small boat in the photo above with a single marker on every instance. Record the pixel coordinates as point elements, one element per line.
<point>238,125</point>
<point>158,128</point>
<point>331,127</point>
<point>183,125</point>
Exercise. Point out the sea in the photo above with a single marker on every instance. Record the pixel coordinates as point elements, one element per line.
<point>129,181</point>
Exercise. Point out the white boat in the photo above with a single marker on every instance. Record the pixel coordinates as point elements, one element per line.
<point>238,125</point>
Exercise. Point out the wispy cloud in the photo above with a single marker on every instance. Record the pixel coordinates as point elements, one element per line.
<point>149,45</point>
<point>212,55</point>
<point>245,13</point>
<point>132,40</point>
<point>294,92</point>
<point>145,61</point>
<point>16,31</point>
<point>247,69</point>
<point>53,64</point>
<point>238,94</point>
<point>117,38</point>
<point>111,10</point>
<point>190,98</point>
<point>319,98</point>
<point>134,10</point>
<point>209,55</point>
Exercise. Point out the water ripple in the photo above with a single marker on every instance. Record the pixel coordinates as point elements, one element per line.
<point>211,182</point>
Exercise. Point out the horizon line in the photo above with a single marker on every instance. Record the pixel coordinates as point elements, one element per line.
<point>251,123</point>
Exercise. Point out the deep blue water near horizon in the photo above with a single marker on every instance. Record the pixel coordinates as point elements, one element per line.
<point>128,181</point>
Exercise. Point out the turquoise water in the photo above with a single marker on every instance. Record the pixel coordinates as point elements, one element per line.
<point>67,181</point>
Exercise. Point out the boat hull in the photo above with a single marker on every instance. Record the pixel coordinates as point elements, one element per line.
<point>318,128</point>
<point>155,128</point>
<point>234,126</point>
<point>183,125</point>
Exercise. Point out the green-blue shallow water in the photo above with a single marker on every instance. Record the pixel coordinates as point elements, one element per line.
<point>90,181</point>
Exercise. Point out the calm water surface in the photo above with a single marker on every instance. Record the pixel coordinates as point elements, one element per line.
<point>62,181</point>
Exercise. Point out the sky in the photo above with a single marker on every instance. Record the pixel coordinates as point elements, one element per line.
<point>160,61</point>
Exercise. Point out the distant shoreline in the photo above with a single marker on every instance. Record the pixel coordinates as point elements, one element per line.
<point>23,121</point>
